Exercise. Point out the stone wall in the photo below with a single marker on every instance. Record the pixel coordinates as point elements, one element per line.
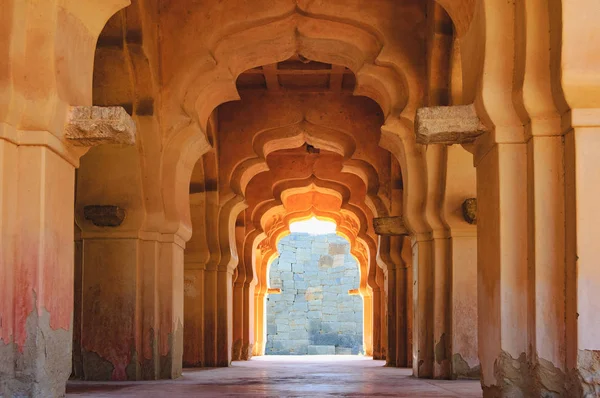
<point>314,314</point>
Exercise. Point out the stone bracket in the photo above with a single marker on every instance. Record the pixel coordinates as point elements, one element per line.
<point>458,124</point>
<point>390,226</point>
<point>274,290</point>
<point>96,125</point>
<point>104,216</point>
<point>353,292</point>
<point>469,210</point>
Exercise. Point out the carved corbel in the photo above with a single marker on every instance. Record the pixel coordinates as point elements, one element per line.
<point>457,124</point>
<point>390,226</point>
<point>95,125</point>
<point>469,210</point>
<point>104,215</point>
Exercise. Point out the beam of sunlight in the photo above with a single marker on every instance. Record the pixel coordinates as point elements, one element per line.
<point>313,226</point>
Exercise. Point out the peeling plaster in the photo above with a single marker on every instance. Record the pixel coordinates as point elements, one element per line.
<point>444,366</point>
<point>40,367</point>
<point>585,380</point>
<point>97,368</point>
<point>549,381</point>
<point>511,375</point>
<point>236,350</point>
<point>462,370</point>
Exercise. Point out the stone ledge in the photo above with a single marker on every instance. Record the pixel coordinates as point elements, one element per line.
<point>458,124</point>
<point>96,125</point>
<point>390,226</point>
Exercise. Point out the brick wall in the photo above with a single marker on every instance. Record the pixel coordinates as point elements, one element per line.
<point>314,314</point>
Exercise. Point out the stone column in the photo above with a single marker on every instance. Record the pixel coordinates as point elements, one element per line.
<point>132,305</point>
<point>582,145</point>
<point>397,354</point>
<point>37,272</point>
<point>47,50</point>
<point>238,315</point>
<point>248,322</point>
<point>260,292</point>
<point>423,350</point>
<point>224,308</point>
<point>455,306</point>
<point>436,174</point>
<point>392,292</point>
<point>502,268</point>
<point>132,284</point>
<point>193,326</point>
<point>195,258</point>
<point>383,326</point>
<point>36,266</point>
<point>460,213</point>
<point>132,309</point>
<point>579,76</point>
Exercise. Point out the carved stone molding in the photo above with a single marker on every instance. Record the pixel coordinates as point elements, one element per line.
<point>104,216</point>
<point>458,124</point>
<point>96,125</point>
<point>390,226</point>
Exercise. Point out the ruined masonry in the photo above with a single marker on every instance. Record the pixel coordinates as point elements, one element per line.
<point>314,315</point>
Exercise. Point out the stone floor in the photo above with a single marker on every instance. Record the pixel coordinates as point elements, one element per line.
<point>287,376</point>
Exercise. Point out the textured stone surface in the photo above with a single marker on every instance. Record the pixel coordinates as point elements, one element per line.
<point>96,125</point>
<point>41,367</point>
<point>456,124</point>
<point>390,226</point>
<point>104,216</point>
<point>469,210</point>
<point>584,380</point>
<point>314,314</point>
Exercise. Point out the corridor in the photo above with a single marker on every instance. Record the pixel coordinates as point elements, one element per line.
<point>287,376</point>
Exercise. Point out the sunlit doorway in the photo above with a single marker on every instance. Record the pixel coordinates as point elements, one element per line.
<point>318,310</point>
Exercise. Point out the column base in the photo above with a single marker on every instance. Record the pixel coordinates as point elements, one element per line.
<point>512,378</point>
<point>39,367</point>
<point>584,381</point>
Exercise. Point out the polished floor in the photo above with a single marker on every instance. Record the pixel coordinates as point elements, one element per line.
<point>287,376</point>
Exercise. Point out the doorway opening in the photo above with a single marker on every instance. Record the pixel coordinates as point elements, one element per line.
<point>318,310</point>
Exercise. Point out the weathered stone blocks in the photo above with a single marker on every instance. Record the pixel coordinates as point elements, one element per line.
<point>314,313</point>
<point>95,125</point>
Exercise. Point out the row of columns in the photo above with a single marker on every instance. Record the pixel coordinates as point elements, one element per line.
<point>208,293</point>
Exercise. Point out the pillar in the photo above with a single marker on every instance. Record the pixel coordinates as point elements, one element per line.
<point>384,248</point>
<point>579,76</point>
<point>462,300</point>
<point>37,272</point>
<point>502,268</point>
<point>436,174</point>
<point>47,50</point>
<point>132,284</point>
<point>423,350</point>
<point>238,315</point>
<point>36,266</point>
<point>397,304</point>
<point>582,145</point>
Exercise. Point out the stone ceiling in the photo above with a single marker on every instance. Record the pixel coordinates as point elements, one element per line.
<point>299,74</point>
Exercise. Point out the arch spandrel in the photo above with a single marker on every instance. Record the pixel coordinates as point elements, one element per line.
<point>392,91</point>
